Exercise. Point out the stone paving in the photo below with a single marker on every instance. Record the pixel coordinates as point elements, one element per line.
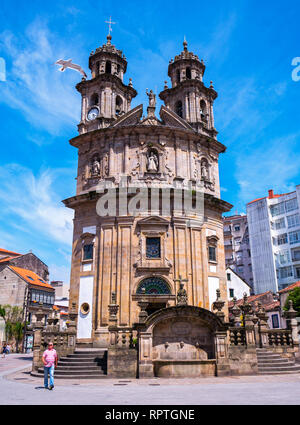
<point>18,387</point>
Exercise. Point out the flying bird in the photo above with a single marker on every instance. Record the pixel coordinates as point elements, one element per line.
<point>69,64</point>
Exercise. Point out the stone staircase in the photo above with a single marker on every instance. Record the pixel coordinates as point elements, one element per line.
<point>270,363</point>
<point>85,363</point>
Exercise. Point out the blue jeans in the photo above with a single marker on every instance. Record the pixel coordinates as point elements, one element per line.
<point>50,371</point>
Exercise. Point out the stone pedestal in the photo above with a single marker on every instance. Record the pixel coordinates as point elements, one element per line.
<point>122,362</point>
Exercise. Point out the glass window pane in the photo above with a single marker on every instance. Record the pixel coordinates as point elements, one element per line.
<point>153,247</point>
<point>88,252</point>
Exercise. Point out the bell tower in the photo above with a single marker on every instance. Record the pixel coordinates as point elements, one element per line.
<point>105,97</point>
<point>189,97</point>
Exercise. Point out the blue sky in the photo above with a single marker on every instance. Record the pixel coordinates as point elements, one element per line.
<point>247,46</point>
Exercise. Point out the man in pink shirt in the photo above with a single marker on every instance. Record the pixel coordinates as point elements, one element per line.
<point>50,362</point>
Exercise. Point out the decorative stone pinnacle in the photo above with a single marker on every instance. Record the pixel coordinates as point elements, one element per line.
<point>219,304</point>
<point>185,44</point>
<point>109,40</point>
<point>291,313</point>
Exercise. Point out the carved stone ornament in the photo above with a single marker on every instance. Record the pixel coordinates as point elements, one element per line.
<point>182,298</point>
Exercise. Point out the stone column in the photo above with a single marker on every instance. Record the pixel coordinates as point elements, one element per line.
<point>291,315</point>
<point>146,369</point>
<point>263,326</point>
<point>37,341</point>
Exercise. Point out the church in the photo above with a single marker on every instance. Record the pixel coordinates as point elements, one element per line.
<point>148,279</point>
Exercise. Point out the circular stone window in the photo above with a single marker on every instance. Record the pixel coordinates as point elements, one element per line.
<point>85,308</point>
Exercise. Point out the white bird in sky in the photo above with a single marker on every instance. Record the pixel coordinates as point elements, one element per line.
<point>69,64</point>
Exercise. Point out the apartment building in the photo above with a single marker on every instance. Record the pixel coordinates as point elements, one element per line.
<point>274,231</point>
<point>237,247</point>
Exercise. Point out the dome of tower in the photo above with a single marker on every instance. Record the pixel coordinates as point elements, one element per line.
<point>107,54</point>
<point>188,58</point>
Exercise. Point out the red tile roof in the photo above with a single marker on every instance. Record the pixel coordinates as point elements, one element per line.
<point>8,252</point>
<point>272,306</point>
<point>31,277</point>
<point>290,287</point>
<point>250,299</point>
<point>5,259</point>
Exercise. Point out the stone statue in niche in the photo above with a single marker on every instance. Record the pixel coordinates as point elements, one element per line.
<point>95,167</point>
<point>152,163</point>
<point>204,170</point>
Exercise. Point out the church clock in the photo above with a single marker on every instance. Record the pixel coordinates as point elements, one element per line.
<point>93,114</point>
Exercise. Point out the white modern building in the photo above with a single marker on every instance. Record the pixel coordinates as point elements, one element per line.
<point>236,285</point>
<point>274,232</point>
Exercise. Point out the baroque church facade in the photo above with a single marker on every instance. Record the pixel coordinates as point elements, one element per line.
<point>156,257</point>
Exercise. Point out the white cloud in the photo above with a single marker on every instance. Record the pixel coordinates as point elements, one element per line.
<point>272,165</point>
<point>34,86</point>
<point>32,200</point>
<point>60,273</point>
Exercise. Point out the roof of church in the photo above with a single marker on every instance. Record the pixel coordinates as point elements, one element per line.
<point>31,277</point>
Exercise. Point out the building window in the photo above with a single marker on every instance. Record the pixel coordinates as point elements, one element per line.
<point>178,76</point>
<point>291,205</point>
<point>296,255</point>
<point>88,252</point>
<point>297,272</point>
<point>293,220</point>
<point>282,239</point>
<point>178,108</point>
<point>212,254</point>
<point>108,67</point>
<point>277,209</point>
<point>153,286</point>
<point>94,99</point>
<point>294,237</point>
<point>275,321</point>
<point>153,247</point>
<point>231,293</point>
<point>237,228</point>
<point>228,276</point>
<point>188,73</point>
<point>285,272</point>
<point>119,103</point>
<point>284,257</point>
<point>280,224</point>
<point>240,269</point>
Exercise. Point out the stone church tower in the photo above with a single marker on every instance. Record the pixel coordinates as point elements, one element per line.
<point>135,253</point>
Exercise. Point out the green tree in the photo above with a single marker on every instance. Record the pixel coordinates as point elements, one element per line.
<point>294,296</point>
<point>18,333</point>
<point>13,318</point>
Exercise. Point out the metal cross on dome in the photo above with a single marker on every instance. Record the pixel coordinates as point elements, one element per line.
<point>109,25</point>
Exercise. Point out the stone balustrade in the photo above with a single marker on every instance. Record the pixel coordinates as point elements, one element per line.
<point>237,336</point>
<point>277,337</point>
<point>64,341</point>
